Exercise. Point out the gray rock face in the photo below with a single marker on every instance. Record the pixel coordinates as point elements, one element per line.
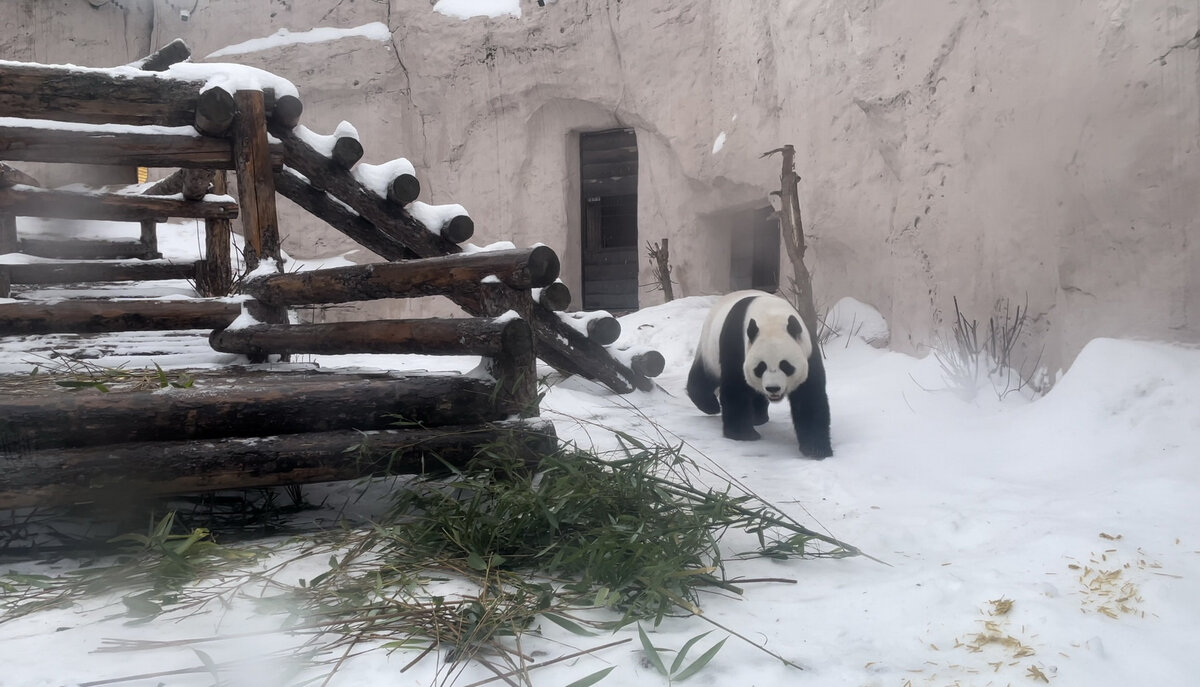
<point>982,151</point>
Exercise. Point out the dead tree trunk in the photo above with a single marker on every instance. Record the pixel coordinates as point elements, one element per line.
<point>660,261</point>
<point>792,229</point>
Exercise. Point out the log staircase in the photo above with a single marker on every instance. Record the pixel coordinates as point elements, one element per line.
<point>251,425</point>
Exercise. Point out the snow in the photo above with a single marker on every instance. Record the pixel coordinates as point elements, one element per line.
<point>1060,505</point>
<point>719,143</point>
<point>434,217</point>
<point>465,9</point>
<point>377,178</point>
<point>321,143</point>
<point>96,129</point>
<point>376,31</point>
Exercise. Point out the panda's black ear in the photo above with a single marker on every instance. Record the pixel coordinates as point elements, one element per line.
<point>752,330</point>
<point>794,328</point>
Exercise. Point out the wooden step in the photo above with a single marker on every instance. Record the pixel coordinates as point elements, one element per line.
<point>63,476</point>
<point>81,272</point>
<point>105,315</point>
<point>87,249</point>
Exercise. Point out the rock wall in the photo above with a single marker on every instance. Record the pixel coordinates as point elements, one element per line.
<point>1039,152</point>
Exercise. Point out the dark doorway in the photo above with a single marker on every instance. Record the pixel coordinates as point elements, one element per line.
<point>608,180</point>
<point>754,250</point>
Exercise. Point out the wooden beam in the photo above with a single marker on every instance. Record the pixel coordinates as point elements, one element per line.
<point>91,316</point>
<point>433,336</point>
<point>76,272</point>
<point>518,268</point>
<point>133,147</point>
<point>256,182</point>
<point>336,214</point>
<point>8,244</point>
<point>96,96</point>
<point>556,296</point>
<point>64,476</point>
<point>84,249</point>
<point>389,219</point>
<point>27,201</point>
<point>246,405</point>
<point>159,60</point>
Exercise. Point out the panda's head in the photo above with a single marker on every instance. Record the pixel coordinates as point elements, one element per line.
<point>777,349</point>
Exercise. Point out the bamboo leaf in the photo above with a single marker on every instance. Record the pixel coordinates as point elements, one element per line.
<point>593,678</point>
<point>684,649</point>
<point>568,624</point>
<point>652,653</point>
<point>699,663</point>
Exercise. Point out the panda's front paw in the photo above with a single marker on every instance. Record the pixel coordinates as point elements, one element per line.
<point>743,434</point>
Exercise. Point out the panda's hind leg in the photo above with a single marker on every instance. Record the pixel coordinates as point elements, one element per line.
<point>702,389</point>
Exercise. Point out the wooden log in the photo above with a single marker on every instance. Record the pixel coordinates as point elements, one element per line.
<point>91,144</point>
<point>215,112</point>
<point>648,364</point>
<point>64,476</point>
<point>91,316</point>
<point>603,330</point>
<point>515,367</point>
<point>77,272</point>
<point>159,60</point>
<point>286,112</point>
<point>11,176</point>
<point>433,336</point>
<point>195,183</point>
<point>404,189</point>
<point>569,350</point>
<point>458,229</point>
<point>518,268</point>
<point>8,244</point>
<point>214,274</point>
<point>347,151</point>
<point>256,182</point>
<point>247,406</point>
<point>296,188</point>
<point>555,296</point>
<point>388,219</point>
<point>27,201</point>
<point>97,96</point>
<point>84,249</point>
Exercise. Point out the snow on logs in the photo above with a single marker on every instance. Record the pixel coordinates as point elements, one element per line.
<point>34,140</point>
<point>312,169</point>
<point>342,146</point>
<point>517,268</point>
<point>127,95</point>
<point>30,201</point>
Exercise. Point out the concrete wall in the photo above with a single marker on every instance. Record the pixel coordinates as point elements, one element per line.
<point>983,150</point>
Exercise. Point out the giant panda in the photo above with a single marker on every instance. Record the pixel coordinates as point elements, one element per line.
<point>754,349</point>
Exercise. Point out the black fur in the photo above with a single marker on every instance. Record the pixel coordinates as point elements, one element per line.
<point>742,408</point>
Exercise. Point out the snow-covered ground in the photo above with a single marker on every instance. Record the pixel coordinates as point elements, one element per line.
<point>1025,540</point>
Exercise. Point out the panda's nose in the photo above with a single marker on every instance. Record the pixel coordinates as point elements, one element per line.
<point>772,389</point>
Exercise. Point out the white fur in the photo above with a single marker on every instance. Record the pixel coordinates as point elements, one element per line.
<point>773,343</point>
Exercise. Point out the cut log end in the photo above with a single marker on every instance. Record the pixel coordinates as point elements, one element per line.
<point>648,364</point>
<point>458,229</point>
<point>555,296</point>
<point>604,330</point>
<point>346,152</point>
<point>215,110</point>
<point>159,60</point>
<point>544,267</point>
<point>288,109</point>
<point>404,189</point>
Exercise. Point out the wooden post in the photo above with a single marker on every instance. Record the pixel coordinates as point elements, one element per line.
<point>8,244</point>
<point>149,240</point>
<point>214,275</point>
<point>256,182</point>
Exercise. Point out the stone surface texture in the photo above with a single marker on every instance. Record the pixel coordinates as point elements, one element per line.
<point>1039,152</point>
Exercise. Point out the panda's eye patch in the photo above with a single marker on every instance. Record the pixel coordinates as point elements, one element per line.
<point>787,367</point>
<point>759,369</point>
